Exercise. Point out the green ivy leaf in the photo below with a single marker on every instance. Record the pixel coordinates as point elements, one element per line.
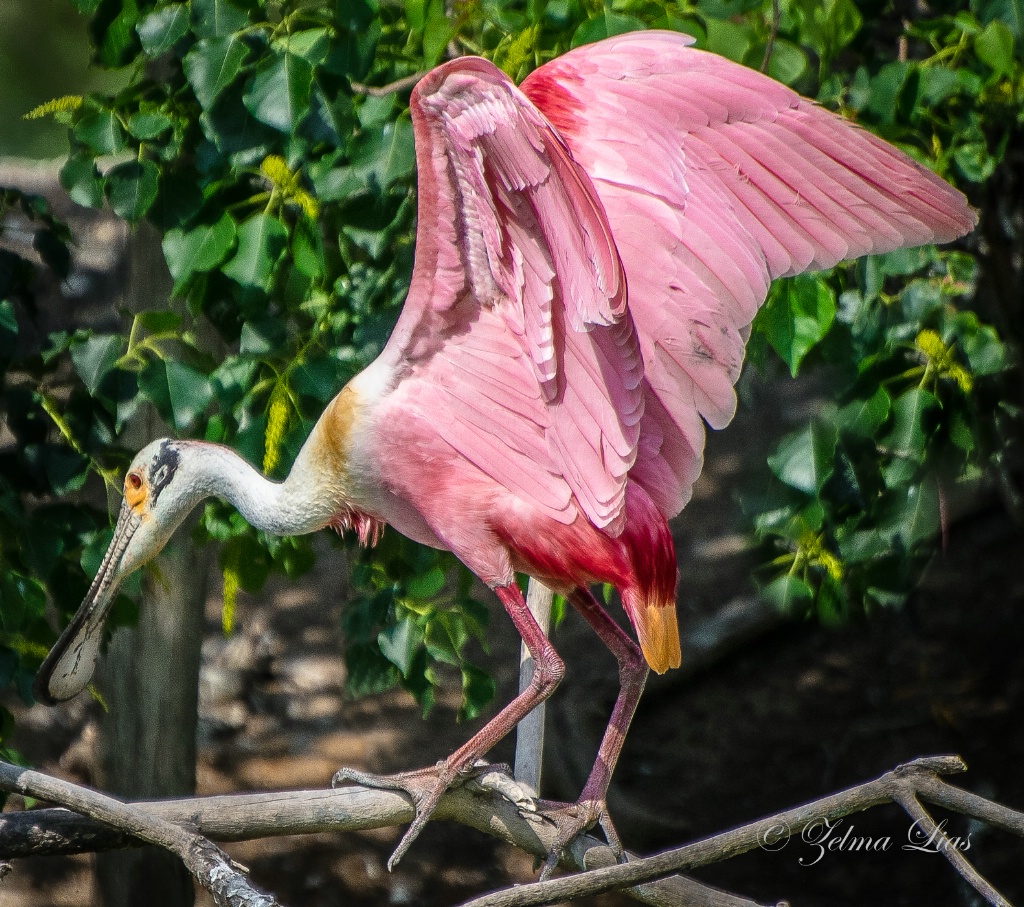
<point>1009,12</point>
<point>994,47</point>
<point>94,357</point>
<point>217,18</point>
<point>311,44</point>
<point>148,125</point>
<point>787,64</point>
<point>199,249</point>
<point>729,39</point>
<point>235,132</point>
<point>24,597</point>
<point>427,585</point>
<point>798,315</point>
<point>400,643</point>
<point>865,417</point>
<point>908,438</point>
<point>804,460</point>
<point>383,156</point>
<point>477,692</point>
<point>82,180</point>
<point>163,28</point>
<point>911,513</point>
<point>790,594</point>
<point>261,239</point>
<point>66,470</point>
<point>975,161</point>
<point>117,43</point>
<point>212,65</point>
<point>131,189</point>
<point>985,352</point>
<point>279,94</point>
<point>605,24</point>
<point>189,392</point>
<point>8,327</point>
<point>352,51</point>
<point>153,386</point>
<point>101,131</point>
<point>437,32</point>
<point>727,9</point>
<point>262,337</point>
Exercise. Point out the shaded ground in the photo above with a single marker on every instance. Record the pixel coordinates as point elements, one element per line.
<point>795,713</point>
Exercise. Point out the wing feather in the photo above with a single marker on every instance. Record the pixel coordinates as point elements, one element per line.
<point>515,340</point>
<point>715,180</point>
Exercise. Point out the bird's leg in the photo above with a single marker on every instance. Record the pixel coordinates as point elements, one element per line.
<point>572,819</point>
<point>426,786</point>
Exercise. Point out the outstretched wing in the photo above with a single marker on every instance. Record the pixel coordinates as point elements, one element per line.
<point>716,180</point>
<point>515,339</point>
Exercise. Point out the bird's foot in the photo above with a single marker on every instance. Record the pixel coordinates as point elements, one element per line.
<point>572,819</point>
<point>424,787</point>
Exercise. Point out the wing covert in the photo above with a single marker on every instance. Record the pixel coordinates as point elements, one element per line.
<point>716,179</point>
<point>515,332</point>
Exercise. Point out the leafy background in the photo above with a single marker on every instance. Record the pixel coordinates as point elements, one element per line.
<point>269,146</point>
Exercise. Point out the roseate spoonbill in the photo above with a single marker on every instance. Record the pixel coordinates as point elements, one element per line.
<point>525,414</point>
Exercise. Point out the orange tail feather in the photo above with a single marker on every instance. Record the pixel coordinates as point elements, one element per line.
<point>650,595</point>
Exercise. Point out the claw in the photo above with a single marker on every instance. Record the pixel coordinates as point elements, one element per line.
<point>424,787</point>
<point>572,819</point>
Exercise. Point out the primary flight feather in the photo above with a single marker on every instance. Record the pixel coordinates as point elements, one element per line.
<point>590,252</point>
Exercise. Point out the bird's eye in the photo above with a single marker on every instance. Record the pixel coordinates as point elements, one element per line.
<point>134,481</point>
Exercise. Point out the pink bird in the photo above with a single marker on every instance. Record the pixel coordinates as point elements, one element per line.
<point>528,413</point>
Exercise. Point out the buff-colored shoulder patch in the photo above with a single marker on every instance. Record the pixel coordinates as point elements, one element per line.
<point>335,427</point>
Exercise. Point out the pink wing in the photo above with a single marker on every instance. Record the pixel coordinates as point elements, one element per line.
<point>716,180</point>
<point>515,340</point>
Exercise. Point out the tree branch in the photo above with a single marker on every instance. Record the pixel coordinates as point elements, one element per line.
<point>651,880</point>
<point>380,91</point>
<point>208,864</point>
<point>899,786</point>
<point>772,36</point>
<point>241,817</point>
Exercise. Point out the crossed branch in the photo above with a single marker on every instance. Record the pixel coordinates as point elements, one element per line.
<point>91,821</point>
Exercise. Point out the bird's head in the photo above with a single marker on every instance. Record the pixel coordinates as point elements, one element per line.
<point>157,497</point>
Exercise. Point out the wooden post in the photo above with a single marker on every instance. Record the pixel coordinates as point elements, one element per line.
<point>530,733</point>
<point>150,673</point>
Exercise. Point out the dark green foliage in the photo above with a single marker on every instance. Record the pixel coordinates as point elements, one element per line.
<point>44,455</point>
<point>283,191</point>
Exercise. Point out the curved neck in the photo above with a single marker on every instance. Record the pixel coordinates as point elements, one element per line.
<point>302,503</point>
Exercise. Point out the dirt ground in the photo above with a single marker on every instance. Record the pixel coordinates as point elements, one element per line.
<point>789,715</point>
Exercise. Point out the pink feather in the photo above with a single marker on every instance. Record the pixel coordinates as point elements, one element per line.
<point>715,180</point>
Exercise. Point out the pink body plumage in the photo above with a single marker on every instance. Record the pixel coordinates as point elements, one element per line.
<point>527,414</point>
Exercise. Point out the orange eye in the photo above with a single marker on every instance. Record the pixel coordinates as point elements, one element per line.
<point>134,481</point>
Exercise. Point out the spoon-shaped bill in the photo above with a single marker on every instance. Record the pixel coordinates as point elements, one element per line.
<point>72,660</point>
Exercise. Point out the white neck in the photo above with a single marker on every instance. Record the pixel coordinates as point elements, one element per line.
<point>302,503</point>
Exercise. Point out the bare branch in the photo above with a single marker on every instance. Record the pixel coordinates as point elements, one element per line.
<point>652,879</point>
<point>207,863</point>
<point>239,817</point>
<point>937,839</point>
<point>379,91</point>
<point>770,46</point>
<point>892,787</point>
